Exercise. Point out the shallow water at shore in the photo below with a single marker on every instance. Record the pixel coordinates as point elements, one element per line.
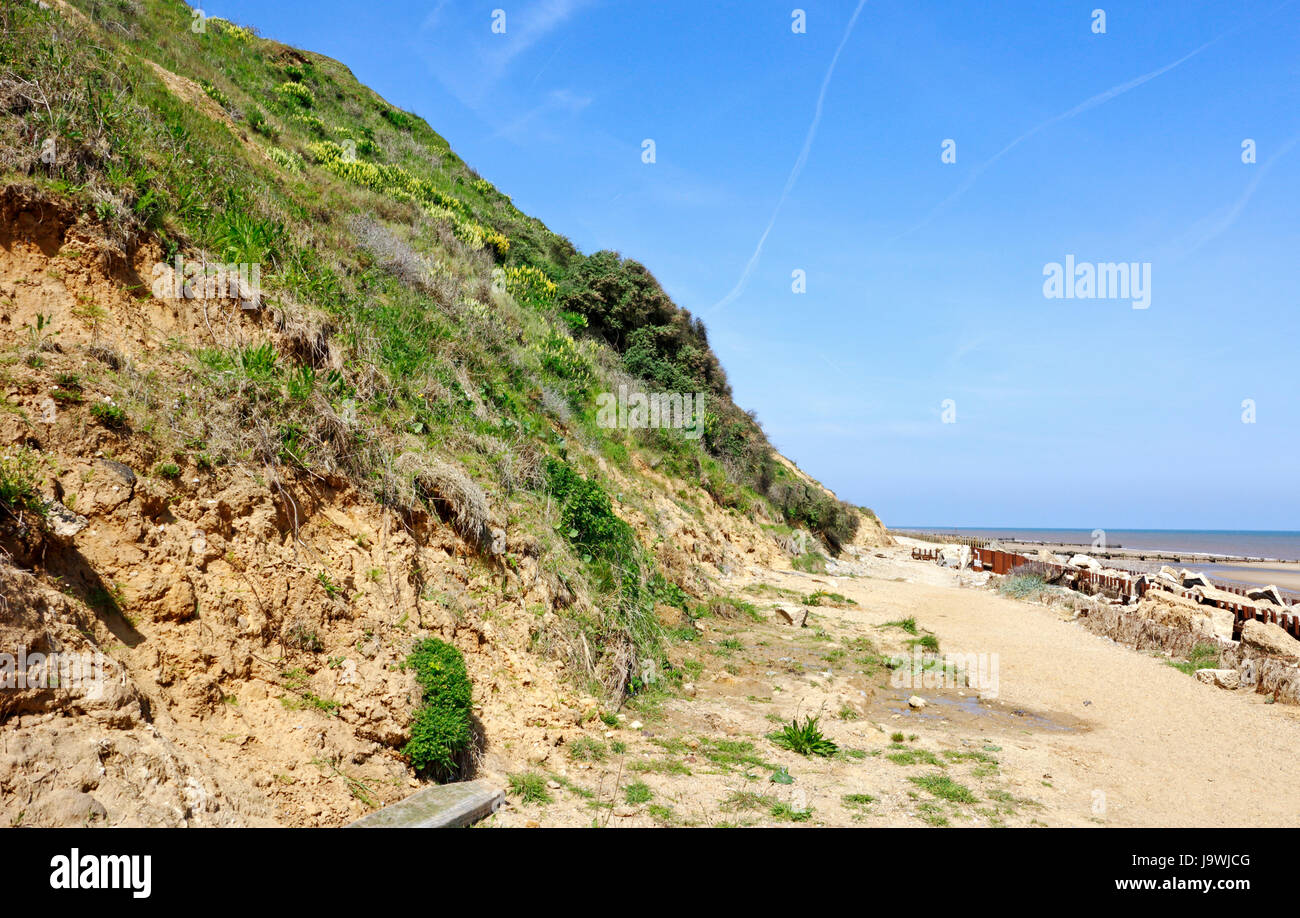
<point>1287,578</point>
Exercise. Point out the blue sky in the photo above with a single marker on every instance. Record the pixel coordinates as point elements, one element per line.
<point>924,278</point>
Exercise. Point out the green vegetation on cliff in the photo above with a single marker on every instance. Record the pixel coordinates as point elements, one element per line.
<point>408,309</point>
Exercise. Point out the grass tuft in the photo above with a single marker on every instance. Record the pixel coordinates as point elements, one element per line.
<point>804,738</point>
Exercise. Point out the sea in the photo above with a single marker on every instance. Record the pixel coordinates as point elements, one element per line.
<point>1227,543</point>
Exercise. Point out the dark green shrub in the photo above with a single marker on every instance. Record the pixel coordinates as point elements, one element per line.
<point>618,567</point>
<point>805,504</point>
<point>258,122</point>
<point>587,517</point>
<point>441,731</point>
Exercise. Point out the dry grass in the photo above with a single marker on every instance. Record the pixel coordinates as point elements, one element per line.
<point>455,497</point>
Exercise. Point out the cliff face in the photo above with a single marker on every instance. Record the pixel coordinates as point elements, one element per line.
<point>287,387</point>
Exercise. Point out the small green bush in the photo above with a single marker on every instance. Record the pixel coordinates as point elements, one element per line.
<point>1203,655</point>
<point>813,562</point>
<point>587,516</point>
<point>287,160</point>
<point>20,482</point>
<point>441,732</point>
<point>529,786</point>
<point>586,749</point>
<point>296,93</point>
<point>945,788</point>
<point>1022,586</point>
<point>215,94</point>
<point>927,641</point>
<point>400,120</point>
<point>110,415</point>
<point>835,599</point>
<point>804,738</point>
<point>638,792</point>
<point>257,121</point>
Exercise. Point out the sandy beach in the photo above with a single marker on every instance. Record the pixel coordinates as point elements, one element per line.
<point>1279,573</point>
<point>1081,731</point>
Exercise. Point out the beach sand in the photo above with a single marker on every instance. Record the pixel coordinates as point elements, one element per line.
<point>1279,573</point>
<point>1081,731</point>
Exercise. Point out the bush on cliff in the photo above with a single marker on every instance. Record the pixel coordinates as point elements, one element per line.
<point>441,731</point>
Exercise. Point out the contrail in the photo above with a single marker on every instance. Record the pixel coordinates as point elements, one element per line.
<point>794,173</point>
<point>1214,231</point>
<point>1099,99</point>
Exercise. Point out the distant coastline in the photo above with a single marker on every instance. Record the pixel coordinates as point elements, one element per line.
<point>1222,545</point>
<point>1247,557</point>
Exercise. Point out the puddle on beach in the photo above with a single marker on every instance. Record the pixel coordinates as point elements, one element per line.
<point>968,709</point>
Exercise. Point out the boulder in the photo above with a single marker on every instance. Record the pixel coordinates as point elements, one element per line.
<point>792,615</point>
<point>1193,579</point>
<point>1269,593</point>
<point>1212,595</point>
<point>63,523</point>
<point>1184,614</point>
<point>1223,678</point>
<point>1270,639</point>
<point>1085,562</point>
<point>1222,622</point>
<point>957,556</point>
<point>916,701</point>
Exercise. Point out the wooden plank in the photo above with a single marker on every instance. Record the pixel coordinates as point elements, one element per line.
<point>439,806</point>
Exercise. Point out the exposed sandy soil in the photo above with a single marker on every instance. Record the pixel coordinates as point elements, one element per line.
<point>1083,731</point>
<point>253,624</point>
